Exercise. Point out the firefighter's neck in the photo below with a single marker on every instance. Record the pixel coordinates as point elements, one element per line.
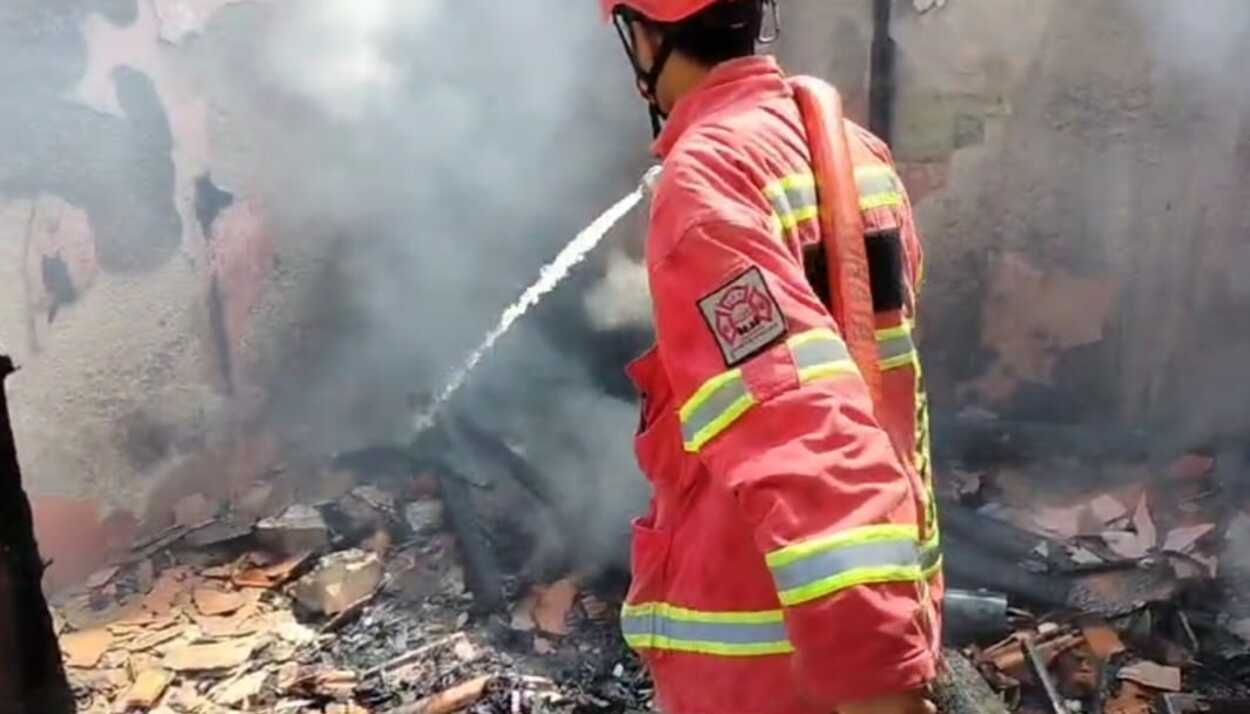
<point>681,76</point>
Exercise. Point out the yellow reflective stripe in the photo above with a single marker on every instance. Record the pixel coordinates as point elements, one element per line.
<point>723,399</point>
<point>820,353</point>
<point>880,200</point>
<point>873,171</point>
<point>855,536</point>
<point>659,642</point>
<point>791,220</point>
<point>879,186</point>
<point>833,369</point>
<point>794,201</point>
<point>659,625</point>
<point>869,555</point>
<point>851,579</point>
<point>897,362</point>
<point>673,612</point>
<point>779,188</point>
<point>896,347</point>
<point>713,429</point>
<point>820,333</point>
<point>706,392</point>
<point>891,333</point>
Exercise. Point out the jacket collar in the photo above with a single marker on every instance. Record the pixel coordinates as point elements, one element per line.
<point>723,86</point>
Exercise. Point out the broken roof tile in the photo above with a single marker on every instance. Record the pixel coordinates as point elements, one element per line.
<point>1183,540</point>
<point>1153,675</point>
<point>213,602</point>
<point>84,649</point>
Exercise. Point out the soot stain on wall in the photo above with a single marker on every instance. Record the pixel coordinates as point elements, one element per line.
<point>118,169</point>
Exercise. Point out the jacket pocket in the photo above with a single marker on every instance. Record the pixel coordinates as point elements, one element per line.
<point>648,561</point>
<point>649,555</point>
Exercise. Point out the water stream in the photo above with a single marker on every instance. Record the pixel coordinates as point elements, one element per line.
<point>549,278</point>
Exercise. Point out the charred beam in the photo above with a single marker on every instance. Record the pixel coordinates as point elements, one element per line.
<point>481,569</point>
<point>32,678</point>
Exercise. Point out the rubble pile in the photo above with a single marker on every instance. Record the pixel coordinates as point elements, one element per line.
<point>1078,586</point>
<point>1147,571</point>
<point>352,599</point>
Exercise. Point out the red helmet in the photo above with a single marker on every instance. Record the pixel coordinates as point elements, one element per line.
<point>658,10</point>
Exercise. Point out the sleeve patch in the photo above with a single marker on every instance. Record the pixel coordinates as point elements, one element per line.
<point>744,317</point>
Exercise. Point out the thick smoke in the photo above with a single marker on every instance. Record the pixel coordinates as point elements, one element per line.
<point>423,160</point>
<point>1200,89</point>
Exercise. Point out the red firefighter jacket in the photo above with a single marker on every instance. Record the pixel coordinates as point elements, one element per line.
<point>790,557</point>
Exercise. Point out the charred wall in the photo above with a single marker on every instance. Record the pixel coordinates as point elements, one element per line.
<point>223,249</point>
<point>1079,173</point>
<point>239,235</point>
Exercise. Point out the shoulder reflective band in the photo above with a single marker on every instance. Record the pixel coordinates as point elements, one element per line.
<point>794,200</point>
<point>895,347</point>
<point>878,186</point>
<point>864,556</point>
<point>820,353</point>
<point>662,626</point>
<point>723,399</point>
<point>712,409</point>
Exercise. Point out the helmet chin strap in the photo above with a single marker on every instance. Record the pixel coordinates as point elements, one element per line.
<point>648,80</point>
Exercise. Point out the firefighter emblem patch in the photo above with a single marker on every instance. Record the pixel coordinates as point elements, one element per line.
<point>744,317</point>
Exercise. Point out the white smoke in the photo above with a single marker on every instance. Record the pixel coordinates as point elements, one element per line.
<point>622,299</point>
<point>335,53</point>
<point>431,156</point>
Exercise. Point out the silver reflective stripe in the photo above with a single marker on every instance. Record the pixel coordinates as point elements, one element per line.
<point>793,199</point>
<point>818,351</point>
<point>725,633</point>
<point>717,404</point>
<point>828,564</point>
<point>894,347</point>
<point>872,183</point>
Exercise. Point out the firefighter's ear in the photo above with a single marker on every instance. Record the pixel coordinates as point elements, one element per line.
<point>646,44</point>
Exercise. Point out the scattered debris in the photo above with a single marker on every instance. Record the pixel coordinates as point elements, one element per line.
<point>424,517</point>
<point>206,657</point>
<point>1183,540</point>
<point>1153,675</point>
<point>1102,639</point>
<point>212,602</point>
<point>1041,669</point>
<point>1131,699</point>
<point>299,529</point>
<point>553,606</point>
<point>339,581</point>
<point>271,576</point>
<point>240,689</point>
<point>147,690</point>
<point>449,701</point>
<point>296,615</point>
<point>84,649</point>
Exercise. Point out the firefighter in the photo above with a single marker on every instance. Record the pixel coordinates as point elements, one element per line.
<point>789,562</point>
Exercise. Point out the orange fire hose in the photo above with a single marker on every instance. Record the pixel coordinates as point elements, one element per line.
<point>841,225</point>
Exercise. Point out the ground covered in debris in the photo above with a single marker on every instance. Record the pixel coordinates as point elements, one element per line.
<point>1128,582</point>
<point>355,603</point>
<point>1078,586</point>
